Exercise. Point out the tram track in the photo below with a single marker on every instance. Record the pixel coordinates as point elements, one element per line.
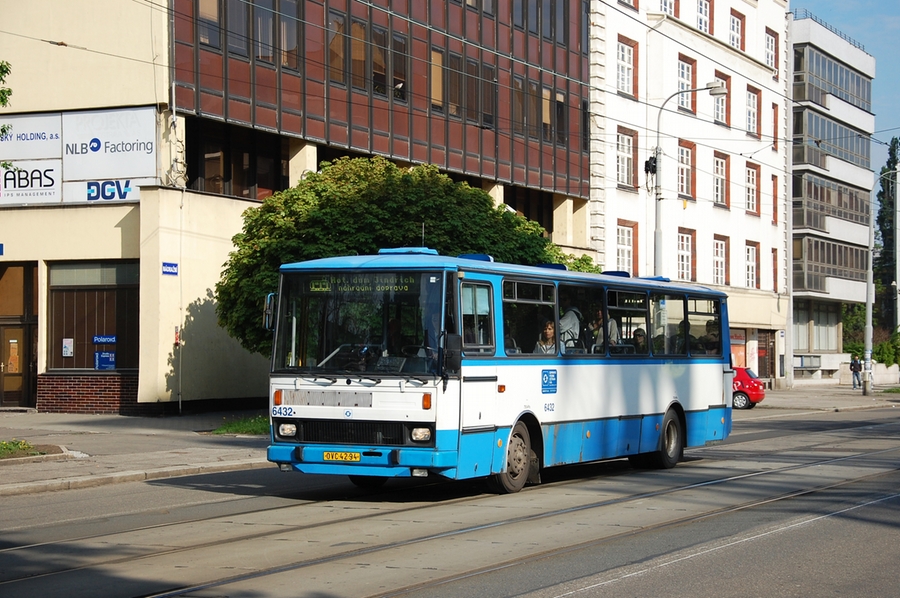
<point>276,532</point>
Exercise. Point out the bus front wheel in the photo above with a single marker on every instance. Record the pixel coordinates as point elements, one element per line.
<point>518,462</point>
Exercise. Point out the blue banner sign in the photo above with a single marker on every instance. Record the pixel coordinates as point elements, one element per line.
<point>548,382</point>
<point>170,268</point>
<point>104,360</point>
<point>105,340</point>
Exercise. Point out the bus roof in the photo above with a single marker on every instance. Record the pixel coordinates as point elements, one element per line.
<point>423,258</point>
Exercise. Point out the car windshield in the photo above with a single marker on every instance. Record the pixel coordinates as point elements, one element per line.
<point>355,321</point>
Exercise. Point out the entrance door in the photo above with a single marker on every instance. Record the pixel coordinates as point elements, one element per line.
<point>14,367</point>
<point>766,352</point>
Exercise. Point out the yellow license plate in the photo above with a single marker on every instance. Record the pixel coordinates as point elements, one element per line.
<point>335,456</point>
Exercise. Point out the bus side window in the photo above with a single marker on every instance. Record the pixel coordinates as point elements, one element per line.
<point>477,319</point>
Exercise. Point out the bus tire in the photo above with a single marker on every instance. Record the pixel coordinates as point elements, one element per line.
<point>367,482</point>
<point>671,442</point>
<point>518,462</point>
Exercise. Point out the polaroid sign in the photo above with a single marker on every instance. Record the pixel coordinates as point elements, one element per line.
<point>109,144</point>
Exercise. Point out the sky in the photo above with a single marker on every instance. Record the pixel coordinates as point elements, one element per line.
<point>876,25</point>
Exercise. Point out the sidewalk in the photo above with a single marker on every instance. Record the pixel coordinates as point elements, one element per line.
<point>108,449</point>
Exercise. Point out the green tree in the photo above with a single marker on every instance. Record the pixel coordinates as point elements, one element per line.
<point>357,206</point>
<point>884,263</point>
<point>5,94</point>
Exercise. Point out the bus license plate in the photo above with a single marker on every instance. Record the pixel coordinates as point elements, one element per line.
<point>335,456</point>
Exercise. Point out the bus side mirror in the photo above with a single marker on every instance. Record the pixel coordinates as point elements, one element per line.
<point>269,312</point>
<point>453,352</point>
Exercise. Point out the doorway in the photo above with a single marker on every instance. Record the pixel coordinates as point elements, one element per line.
<point>18,334</point>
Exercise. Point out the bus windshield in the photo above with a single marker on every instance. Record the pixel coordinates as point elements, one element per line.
<point>359,321</point>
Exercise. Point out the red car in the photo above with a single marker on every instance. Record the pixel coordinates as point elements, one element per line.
<point>747,389</point>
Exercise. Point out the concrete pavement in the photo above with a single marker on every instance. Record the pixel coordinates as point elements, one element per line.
<point>107,449</point>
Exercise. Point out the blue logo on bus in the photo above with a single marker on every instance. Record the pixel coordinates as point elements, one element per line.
<point>548,382</point>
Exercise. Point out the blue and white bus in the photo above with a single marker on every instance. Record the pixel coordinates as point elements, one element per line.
<point>407,363</point>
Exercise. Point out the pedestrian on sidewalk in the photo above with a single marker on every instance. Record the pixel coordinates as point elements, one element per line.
<point>855,369</point>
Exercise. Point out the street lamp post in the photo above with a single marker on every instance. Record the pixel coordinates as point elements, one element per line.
<point>715,88</point>
<point>870,286</point>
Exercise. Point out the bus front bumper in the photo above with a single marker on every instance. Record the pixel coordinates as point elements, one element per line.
<point>374,461</point>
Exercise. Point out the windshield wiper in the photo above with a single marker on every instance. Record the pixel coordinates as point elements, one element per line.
<point>375,380</point>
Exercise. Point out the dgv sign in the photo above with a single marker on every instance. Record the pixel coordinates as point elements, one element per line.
<point>109,190</point>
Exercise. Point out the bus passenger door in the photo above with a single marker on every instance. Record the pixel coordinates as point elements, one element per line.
<point>478,393</point>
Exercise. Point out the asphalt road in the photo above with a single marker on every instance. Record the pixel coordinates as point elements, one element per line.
<point>793,504</point>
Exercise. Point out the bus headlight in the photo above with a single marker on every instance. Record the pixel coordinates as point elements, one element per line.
<point>287,429</point>
<point>421,434</point>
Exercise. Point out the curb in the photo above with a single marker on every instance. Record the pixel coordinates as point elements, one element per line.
<point>127,476</point>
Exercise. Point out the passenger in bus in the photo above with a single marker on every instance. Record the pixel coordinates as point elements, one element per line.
<point>569,322</point>
<point>684,339</point>
<point>710,342</point>
<point>597,331</point>
<point>639,341</point>
<point>547,340</point>
<point>394,338</point>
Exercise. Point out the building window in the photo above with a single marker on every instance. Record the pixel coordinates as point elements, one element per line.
<point>532,116</point>
<point>518,107</point>
<point>772,51</point>
<point>720,260</point>
<point>825,326</point>
<point>722,104</point>
<point>686,168</point>
<point>753,103</point>
<point>631,3</point>
<point>289,27</point>
<point>437,81</point>
<point>585,126</point>
<point>489,96</point>
<point>358,52</point>
<point>626,77</point>
<point>94,309</point>
<point>399,59</point>
<point>704,10</point>
<point>626,157</point>
<point>775,129</point>
<point>752,265</point>
<point>687,258</point>
<point>721,180</point>
<point>736,30</point>
<point>546,115</point>
<point>471,96</point>
<point>232,160</point>
<point>670,7</point>
<point>264,28</point>
<point>800,331</point>
<point>337,42</point>
<point>775,269</point>
<point>687,79</point>
<point>238,33</point>
<point>209,24</point>
<point>455,86</point>
<point>774,199</point>
<point>626,255</point>
<point>560,120</point>
<point>752,188</point>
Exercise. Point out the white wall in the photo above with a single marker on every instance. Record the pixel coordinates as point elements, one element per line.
<point>101,53</point>
<point>193,231</point>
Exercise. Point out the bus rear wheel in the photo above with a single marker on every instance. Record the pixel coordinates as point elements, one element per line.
<point>518,462</point>
<point>671,442</point>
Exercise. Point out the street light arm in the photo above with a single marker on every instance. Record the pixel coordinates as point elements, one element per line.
<point>715,88</point>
